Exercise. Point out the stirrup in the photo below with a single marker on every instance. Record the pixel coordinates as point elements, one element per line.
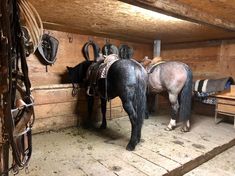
<point>88,91</point>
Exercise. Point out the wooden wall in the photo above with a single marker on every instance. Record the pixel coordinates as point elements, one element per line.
<point>54,105</point>
<point>211,59</point>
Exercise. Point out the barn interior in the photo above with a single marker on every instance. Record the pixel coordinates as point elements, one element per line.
<point>200,34</point>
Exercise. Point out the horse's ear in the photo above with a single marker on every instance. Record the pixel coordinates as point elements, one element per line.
<point>68,68</point>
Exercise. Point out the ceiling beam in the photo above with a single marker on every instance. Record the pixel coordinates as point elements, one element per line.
<point>183,11</point>
<point>73,29</point>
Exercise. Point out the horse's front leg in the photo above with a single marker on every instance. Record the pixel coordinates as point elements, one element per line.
<point>103,110</point>
<point>174,111</point>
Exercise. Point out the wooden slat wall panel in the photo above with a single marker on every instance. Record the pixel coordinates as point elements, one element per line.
<point>54,105</point>
<point>207,60</point>
<point>55,123</point>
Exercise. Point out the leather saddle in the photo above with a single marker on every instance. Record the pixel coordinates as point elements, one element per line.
<point>99,70</point>
<point>109,48</point>
<point>125,51</point>
<point>48,49</point>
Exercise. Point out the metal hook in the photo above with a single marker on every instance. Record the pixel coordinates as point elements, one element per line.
<point>90,39</point>
<point>70,37</point>
<point>107,40</point>
<point>46,31</point>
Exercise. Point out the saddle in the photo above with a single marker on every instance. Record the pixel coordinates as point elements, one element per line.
<point>109,49</point>
<point>125,51</point>
<point>48,49</point>
<point>99,70</point>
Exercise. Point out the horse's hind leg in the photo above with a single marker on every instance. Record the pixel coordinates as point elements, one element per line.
<point>128,106</point>
<point>174,111</point>
<point>90,103</point>
<point>103,110</point>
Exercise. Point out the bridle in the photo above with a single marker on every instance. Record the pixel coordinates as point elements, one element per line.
<point>14,54</point>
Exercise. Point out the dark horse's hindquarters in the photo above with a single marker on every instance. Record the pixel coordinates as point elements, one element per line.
<point>126,79</point>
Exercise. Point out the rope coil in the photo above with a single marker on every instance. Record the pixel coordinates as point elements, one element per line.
<point>32,22</point>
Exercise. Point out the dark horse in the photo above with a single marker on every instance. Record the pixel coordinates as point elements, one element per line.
<point>175,78</point>
<point>126,79</point>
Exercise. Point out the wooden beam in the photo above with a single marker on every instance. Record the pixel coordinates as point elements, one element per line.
<point>74,29</point>
<point>157,48</point>
<point>183,11</point>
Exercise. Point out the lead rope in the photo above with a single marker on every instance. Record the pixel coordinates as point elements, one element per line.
<point>32,22</point>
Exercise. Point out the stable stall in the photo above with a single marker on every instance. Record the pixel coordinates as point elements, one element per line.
<point>48,37</point>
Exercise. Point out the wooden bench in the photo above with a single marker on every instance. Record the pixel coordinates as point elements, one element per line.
<point>225,104</point>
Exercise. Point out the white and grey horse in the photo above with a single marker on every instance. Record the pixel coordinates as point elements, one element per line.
<point>175,78</point>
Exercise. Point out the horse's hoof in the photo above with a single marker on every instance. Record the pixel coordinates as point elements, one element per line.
<point>184,129</point>
<point>130,147</point>
<point>103,127</point>
<point>168,128</point>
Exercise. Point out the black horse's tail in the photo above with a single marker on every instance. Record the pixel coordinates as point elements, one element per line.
<point>186,97</point>
<point>140,97</point>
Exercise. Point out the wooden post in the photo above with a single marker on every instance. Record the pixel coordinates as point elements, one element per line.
<point>157,48</point>
<point>156,53</point>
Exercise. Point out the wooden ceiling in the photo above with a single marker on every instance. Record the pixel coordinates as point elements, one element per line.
<point>133,21</point>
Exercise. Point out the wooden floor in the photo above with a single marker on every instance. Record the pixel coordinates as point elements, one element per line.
<point>80,152</point>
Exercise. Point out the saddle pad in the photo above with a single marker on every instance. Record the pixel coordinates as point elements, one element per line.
<point>213,85</point>
<point>109,60</point>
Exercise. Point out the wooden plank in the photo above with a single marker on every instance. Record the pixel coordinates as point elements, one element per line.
<point>52,95</point>
<point>226,100</point>
<point>226,108</point>
<point>54,123</point>
<point>119,166</point>
<point>55,109</point>
<point>156,158</point>
<point>184,11</point>
<point>115,102</point>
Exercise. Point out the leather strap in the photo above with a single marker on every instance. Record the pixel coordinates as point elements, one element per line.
<point>21,144</point>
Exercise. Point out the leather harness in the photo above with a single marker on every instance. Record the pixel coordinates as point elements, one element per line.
<point>16,120</point>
